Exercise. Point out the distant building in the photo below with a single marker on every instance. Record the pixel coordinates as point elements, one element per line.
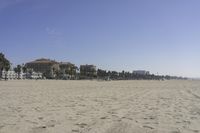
<point>67,70</point>
<point>47,67</point>
<point>34,75</point>
<point>23,75</point>
<point>88,71</point>
<point>9,74</point>
<point>141,72</point>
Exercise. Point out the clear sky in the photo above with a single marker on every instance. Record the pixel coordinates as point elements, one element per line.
<point>162,36</point>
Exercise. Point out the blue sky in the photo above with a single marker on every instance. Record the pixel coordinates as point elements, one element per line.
<point>156,35</point>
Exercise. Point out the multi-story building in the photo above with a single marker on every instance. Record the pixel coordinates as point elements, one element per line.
<point>9,74</point>
<point>34,75</point>
<point>67,70</point>
<point>49,68</point>
<point>88,71</point>
<point>141,72</point>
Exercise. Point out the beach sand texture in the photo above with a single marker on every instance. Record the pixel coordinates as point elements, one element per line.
<point>54,106</point>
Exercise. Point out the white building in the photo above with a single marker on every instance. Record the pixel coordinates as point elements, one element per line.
<point>141,72</point>
<point>34,75</point>
<point>22,75</point>
<point>9,74</point>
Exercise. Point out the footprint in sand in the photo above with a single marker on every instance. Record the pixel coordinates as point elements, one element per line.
<point>104,117</point>
<point>196,131</point>
<point>81,125</point>
<point>1,126</point>
<point>40,118</point>
<point>41,129</point>
<point>175,132</point>
<point>149,127</point>
<point>122,127</point>
<point>75,130</point>
<point>51,123</point>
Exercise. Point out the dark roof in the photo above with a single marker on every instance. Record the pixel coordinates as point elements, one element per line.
<point>66,63</point>
<point>88,65</point>
<point>43,61</point>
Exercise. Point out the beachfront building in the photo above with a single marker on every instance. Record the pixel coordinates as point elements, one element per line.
<point>67,70</point>
<point>88,71</point>
<point>12,74</point>
<point>9,75</point>
<point>141,72</point>
<point>48,68</point>
<point>34,75</point>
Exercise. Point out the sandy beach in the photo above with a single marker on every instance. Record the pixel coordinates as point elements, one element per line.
<point>30,106</point>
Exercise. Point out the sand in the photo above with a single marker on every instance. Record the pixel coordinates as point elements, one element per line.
<point>52,106</point>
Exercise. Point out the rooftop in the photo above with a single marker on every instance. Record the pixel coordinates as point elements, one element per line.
<point>43,60</point>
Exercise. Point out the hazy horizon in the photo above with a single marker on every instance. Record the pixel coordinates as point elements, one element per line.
<point>158,36</point>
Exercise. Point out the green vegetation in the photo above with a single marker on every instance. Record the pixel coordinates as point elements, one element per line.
<point>18,70</point>
<point>70,71</point>
<point>4,64</point>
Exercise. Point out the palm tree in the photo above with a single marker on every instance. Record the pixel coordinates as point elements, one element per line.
<point>73,69</point>
<point>24,68</point>
<point>18,70</point>
<point>102,74</point>
<point>4,64</point>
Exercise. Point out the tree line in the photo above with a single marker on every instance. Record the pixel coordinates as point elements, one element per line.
<point>98,74</point>
<point>114,75</point>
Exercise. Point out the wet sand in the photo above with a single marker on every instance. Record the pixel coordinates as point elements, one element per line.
<point>99,106</point>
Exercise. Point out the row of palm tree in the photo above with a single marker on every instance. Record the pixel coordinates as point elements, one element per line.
<point>101,74</point>
<point>19,69</point>
<point>114,75</point>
